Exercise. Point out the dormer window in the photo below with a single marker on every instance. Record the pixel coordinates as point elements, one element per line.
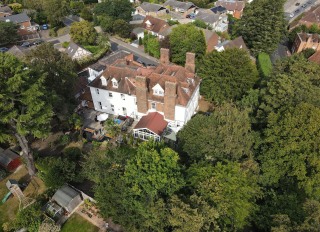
<point>114,83</point>
<point>190,81</point>
<point>157,90</point>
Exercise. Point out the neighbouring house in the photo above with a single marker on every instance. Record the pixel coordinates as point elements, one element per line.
<point>309,18</point>
<point>218,22</point>
<point>219,10</point>
<point>304,41</point>
<point>234,7</point>
<point>5,11</point>
<point>154,26</point>
<point>18,51</point>
<point>128,88</point>
<point>180,7</point>
<point>212,39</point>
<point>137,19</point>
<point>315,57</point>
<point>23,20</point>
<point>9,160</point>
<point>75,52</point>
<point>236,43</point>
<point>150,126</point>
<point>138,32</point>
<point>152,9</point>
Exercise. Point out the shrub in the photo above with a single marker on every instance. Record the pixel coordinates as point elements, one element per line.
<point>65,44</point>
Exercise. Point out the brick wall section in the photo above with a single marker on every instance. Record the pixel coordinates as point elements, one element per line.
<point>170,100</point>
<point>141,94</point>
<point>190,62</point>
<point>164,56</point>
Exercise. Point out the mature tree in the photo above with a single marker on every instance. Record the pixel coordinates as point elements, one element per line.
<point>153,170</point>
<point>105,22</point>
<point>224,135</point>
<point>294,80</point>
<point>229,188</point>
<point>121,28</point>
<point>29,218</point>
<point>152,45</point>
<point>195,215</point>
<point>227,76</point>
<point>56,10</point>
<point>83,33</point>
<point>186,38</point>
<point>262,25</point>
<point>86,14</point>
<point>291,148</point>
<point>24,111</point>
<point>59,69</point>
<point>51,167</point>
<point>117,9</point>
<point>8,32</point>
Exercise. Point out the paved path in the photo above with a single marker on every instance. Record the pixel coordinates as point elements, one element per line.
<point>117,44</point>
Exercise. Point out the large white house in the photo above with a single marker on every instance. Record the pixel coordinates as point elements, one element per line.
<point>128,88</point>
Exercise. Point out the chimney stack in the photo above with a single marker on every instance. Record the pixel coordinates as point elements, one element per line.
<point>164,56</point>
<point>170,100</point>
<point>141,94</point>
<point>190,62</point>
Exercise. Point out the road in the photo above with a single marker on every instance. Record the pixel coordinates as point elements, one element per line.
<point>117,44</point>
<point>294,8</point>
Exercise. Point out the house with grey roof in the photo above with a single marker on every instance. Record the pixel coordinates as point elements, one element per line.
<point>218,22</point>
<point>228,44</point>
<point>152,9</point>
<point>23,21</point>
<point>18,51</point>
<point>178,6</point>
<point>75,52</point>
<point>5,11</point>
<point>68,198</point>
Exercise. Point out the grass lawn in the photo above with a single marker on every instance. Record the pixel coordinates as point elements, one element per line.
<point>92,49</point>
<point>79,224</point>
<point>9,209</point>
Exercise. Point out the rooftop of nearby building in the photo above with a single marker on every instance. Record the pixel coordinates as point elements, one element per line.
<point>304,37</point>
<point>178,4</point>
<point>231,5</point>
<point>154,122</point>
<point>67,197</point>
<point>124,71</point>
<point>315,57</point>
<point>5,9</point>
<point>17,18</point>
<point>309,17</point>
<point>151,7</point>
<point>207,16</point>
<point>218,9</point>
<point>73,48</point>
<point>154,24</point>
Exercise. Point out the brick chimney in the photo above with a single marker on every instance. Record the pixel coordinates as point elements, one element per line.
<point>164,56</point>
<point>170,95</point>
<point>141,94</point>
<point>190,62</point>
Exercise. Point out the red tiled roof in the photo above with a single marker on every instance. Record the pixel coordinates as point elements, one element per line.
<point>315,57</point>
<point>231,6</point>
<point>157,25</point>
<point>154,122</point>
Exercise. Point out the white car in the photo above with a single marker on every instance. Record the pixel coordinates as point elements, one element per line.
<point>291,15</point>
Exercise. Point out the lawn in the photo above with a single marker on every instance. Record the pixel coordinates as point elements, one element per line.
<point>9,209</point>
<point>92,49</point>
<point>79,224</point>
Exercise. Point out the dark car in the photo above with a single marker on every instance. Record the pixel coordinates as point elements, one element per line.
<point>45,27</point>
<point>296,11</point>
<point>4,49</point>
<point>26,44</point>
<point>37,42</point>
<point>298,3</point>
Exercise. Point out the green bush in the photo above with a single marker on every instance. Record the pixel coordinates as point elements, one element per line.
<point>264,64</point>
<point>200,23</point>
<point>92,49</point>
<point>65,44</point>
<point>172,22</point>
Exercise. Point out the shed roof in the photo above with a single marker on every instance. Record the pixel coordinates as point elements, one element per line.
<point>67,197</point>
<point>7,156</point>
<point>151,7</point>
<point>178,4</point>
<point>154,122</point>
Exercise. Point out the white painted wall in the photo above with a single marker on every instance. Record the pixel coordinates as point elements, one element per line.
<point>129,102</point>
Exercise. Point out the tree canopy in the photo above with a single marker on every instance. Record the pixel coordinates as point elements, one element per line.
<point>8,32</point>
<point>83,33</point>
<point>262,25</point>
<point>24,109</point>
<point>117,9</point>
<point>186,38</point>
<point>227,76</point>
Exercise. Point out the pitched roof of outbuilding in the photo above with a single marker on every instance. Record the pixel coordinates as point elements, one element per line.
<point>178,4</point>
<point>151,7</point>
<point>6,156</point>
<point>17,18</point>
<point>67,197</point>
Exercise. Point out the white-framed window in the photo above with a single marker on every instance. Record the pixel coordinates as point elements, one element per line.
<point>100,105</point>
<point>158,92</point>
<point>110,95</point>
<point>153,105</point>
<point>123,97</point>
<point>97,91</point>
<point>112,107</point>
<point>114,84</point>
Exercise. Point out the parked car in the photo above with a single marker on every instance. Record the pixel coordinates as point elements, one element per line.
<point>4,49</point>
<point>298,3</point>
<point>26,44</point>
<point>291,15</point>
<point>45,27</point>
<point>37,42</point>
<point>304,5</point>
<point>296,11</point>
